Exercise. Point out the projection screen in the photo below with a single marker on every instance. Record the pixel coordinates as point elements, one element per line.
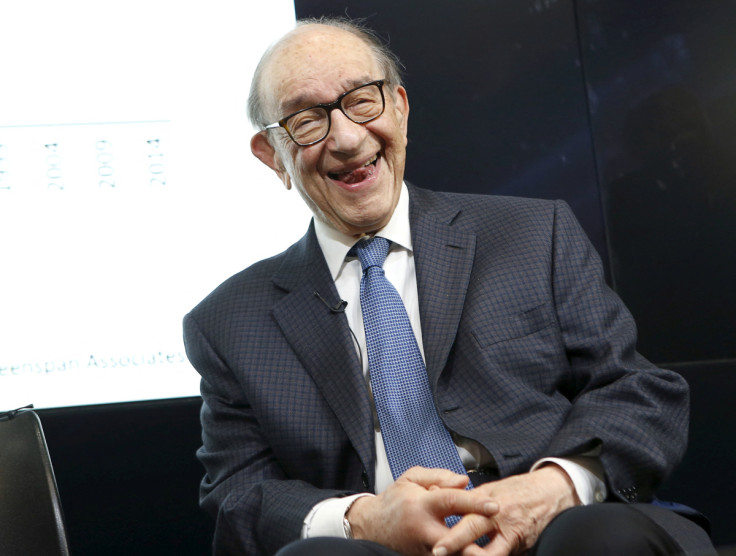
<point>127,188</point>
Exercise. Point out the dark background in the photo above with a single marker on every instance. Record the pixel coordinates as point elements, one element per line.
<point>627,110</point>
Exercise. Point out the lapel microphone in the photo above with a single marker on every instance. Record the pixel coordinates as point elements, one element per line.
<point>339,308</point>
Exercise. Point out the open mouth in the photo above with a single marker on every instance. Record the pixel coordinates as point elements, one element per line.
<point>358,175</point>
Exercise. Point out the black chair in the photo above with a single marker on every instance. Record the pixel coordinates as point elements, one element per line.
<point>31,520</point>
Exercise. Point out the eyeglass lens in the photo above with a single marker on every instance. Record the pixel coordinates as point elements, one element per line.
<point>360,105</point>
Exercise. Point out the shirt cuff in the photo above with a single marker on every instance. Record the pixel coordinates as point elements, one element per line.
<point>325,518</point>
<point>586,474</point>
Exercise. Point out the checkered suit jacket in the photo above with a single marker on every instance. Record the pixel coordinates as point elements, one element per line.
<point>528,352</point>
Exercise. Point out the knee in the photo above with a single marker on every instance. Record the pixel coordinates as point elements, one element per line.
<point>603,529</point>
<point>320,546</point>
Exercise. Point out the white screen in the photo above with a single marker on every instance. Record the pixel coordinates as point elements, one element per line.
<point>127,188</point>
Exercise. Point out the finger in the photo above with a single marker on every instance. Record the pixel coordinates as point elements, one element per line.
<point>497,547</point>
<point>464,533</point>
<point>427,477</point>
<point>452,501</point>
<point>474,550</point>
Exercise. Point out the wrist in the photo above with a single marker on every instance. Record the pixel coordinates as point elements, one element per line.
<point>353,522</point>
<point>564,485</point>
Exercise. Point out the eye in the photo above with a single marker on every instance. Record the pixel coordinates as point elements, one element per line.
<point>360,100</point>
<point>364,103</point>
<point>304,125</point>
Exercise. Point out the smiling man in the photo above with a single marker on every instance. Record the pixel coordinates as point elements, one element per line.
<point>351,179</point>
<point>422,373</point>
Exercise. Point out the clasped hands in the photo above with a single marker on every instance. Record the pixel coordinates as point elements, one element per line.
<point>408,517</point>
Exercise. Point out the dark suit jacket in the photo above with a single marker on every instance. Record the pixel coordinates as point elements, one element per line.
<point>528,352</point>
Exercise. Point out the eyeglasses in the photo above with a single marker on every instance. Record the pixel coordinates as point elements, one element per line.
<point>311,125</point>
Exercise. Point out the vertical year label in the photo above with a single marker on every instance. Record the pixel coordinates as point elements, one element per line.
<point>156,169</point>
<point>105,170</point>
<point>53,166</point>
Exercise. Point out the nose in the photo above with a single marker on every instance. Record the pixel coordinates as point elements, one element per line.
<point>345,135</point>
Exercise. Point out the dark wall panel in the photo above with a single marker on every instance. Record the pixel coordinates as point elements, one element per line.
<point>662,82</point>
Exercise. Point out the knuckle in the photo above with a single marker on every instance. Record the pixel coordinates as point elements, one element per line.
<point>449,500</point>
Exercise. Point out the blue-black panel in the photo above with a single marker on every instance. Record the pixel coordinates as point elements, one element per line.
<point>662,82</point>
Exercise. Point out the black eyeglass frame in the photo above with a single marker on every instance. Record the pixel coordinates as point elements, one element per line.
<point>329,108</point>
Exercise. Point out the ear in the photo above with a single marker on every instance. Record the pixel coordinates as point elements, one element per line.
<point>264,151</point>
<point>401,107</point>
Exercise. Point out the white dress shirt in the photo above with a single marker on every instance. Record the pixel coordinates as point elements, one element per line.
<point>326,518</point>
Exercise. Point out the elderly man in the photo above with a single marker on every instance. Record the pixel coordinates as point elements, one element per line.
<point>414,345</point>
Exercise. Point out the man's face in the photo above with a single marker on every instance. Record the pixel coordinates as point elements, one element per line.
<point>352,179</point>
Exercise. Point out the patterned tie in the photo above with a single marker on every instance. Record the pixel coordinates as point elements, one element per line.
<point>413,432</point>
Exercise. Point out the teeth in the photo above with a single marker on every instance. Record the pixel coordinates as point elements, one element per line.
<point>371,161</point>
<point>336,175</point>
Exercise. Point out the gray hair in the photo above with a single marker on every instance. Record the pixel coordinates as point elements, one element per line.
<point>386,59</point>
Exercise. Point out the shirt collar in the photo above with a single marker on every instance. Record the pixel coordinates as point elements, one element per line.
<point>335,245</point>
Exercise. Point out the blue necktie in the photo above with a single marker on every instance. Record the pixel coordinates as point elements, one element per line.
<point>412,430</point>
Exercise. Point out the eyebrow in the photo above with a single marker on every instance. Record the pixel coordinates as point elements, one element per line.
<point>305,100</point>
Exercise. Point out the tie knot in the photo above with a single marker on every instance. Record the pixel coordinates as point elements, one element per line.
<point>372,252</point>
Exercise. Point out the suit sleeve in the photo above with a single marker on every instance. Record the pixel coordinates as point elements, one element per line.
<point>634,411</point>
<point>257,508</point>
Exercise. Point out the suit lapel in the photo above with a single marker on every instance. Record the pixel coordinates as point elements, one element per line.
<point>322,341</point>
<point>443,256</point>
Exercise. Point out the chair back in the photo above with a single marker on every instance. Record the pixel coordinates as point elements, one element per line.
<point>31,520</point>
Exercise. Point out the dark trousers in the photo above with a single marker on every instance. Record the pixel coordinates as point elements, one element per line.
<point>601,530</point>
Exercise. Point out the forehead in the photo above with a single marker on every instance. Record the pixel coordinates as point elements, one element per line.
<point>315,64</point>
